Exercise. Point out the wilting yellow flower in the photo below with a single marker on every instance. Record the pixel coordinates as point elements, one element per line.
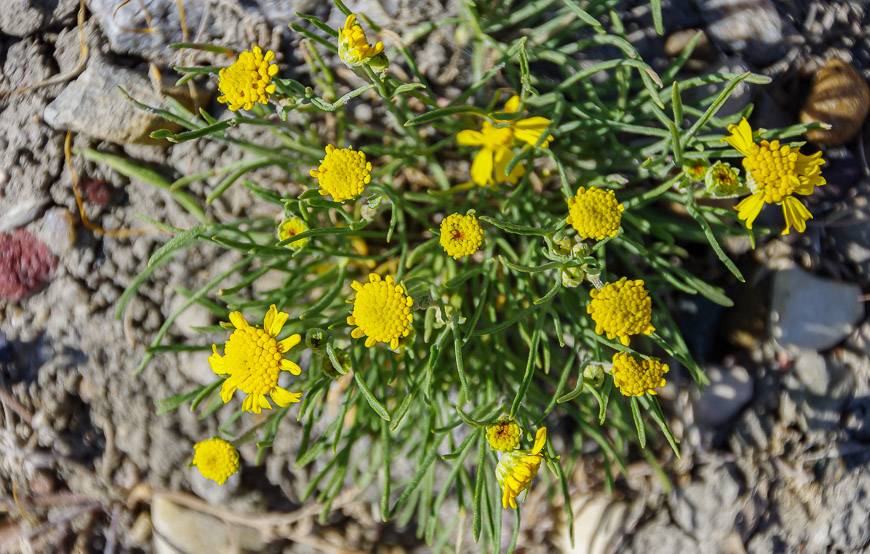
<point>353,46</point>
<point>343,173</point>
<point>621,309</point>
<point>216,459</point>
<point>517,468</point>
<point>595,213</point>
<point>696,170</point>
<point>491,161</point>
<point>722,180</point>
<point>253,360</point>
<point>248,80</point>
<point>504,435</point>
<point>776,173</point>
<point>291,227</point>
<point>381,311</point>
<point>530,129</point>
<point>636,377</point>
<point>461,235</point>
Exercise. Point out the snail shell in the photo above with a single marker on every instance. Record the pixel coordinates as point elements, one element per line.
<point>840,97</point>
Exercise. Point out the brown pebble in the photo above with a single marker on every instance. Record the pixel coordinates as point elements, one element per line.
<point>840,97</point>
<point>678,40</point>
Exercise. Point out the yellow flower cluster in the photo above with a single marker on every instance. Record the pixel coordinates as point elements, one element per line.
<point>253,359</point>
<point>353,45</point>
<point>381,311</point>
<point>595,213</point>
<point>504,435</point>
<point>291,227</point>
<point>517,468</point>
<point>461,235</point>
<point>491,161</point>
<point>621,309</point>
<point>248,80</point>
<point>216,459</point>
<point>636,377</point>
<point>776,173</point>
<point>343,173</point>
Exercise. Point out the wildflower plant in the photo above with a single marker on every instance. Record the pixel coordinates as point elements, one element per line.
<point>484,281</point>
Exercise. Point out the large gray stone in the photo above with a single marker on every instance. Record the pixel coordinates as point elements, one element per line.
<point>752,28</point>
<point>94,105</point>
<point>812,313</point>
<point>729,391</point>
<point>182,529</point>
<point>20,18</point>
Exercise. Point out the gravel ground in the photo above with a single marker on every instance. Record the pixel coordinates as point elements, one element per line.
<point>775,451</point>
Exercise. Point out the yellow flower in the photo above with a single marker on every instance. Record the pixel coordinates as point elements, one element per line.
<point>381,311</point>
<point>253,359</point>
<point>503,435</point>
<point>248,80</point>
<point>530,129</point>
<point>636,377</point>
<point>776,173</point>
<point>353,46</point>
<point>343,173</point>
<point>516,469</point>
<point>491,161</point>
<point>216,459</point>
<point>595,213</point>
<point>621,309</point>
<point>461,235</point>
<point>291,227</point>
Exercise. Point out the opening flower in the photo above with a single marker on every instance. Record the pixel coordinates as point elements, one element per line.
<point>461,235</point>
<point>722,180</point>
<point>216,459</point>
<point>621,309</point>
<point>503,435</point>
<point>696,170</point>
<point>516,469</point>
<point>291,227</point>
<point>490,163</point>
<point>253,359</point>
<point>595,213</point>
<point>353,46</point>
<point>343,173</point>
<point>776,173</point>
<point>381,311</point>
<point>530,129</point>
<point>636,377</point>
<point>248,80</point>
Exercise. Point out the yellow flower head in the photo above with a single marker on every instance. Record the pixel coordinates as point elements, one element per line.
<point>490,163</point>
<point>621,309</point>
<point>343,173</point>
<point>253,359</point>
<point>530,129</point>
<point>636,377</point>
<point>722,180</point>
<point>248,80</point>
<point>776,173</point>
<point>516,469</point>
<point>353,46</point>
<point>216,459</point>
<point>461,235</point>
<point>381,311</point>
<point>503,435</point>
<point>291,227</point>
<point>595,213</point>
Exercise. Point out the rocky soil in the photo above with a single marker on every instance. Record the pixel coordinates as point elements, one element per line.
<point>775,450</point>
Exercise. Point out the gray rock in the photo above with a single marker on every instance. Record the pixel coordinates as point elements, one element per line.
<point>730,389</point>
<point>94,105</point>
<point>709,508</point>
<point>20,18</point>
<point>599,523</point>
<point>182,529</point>
<point>57,229</point>
<point>752,28</point>
<point>821,387</point>
<point>808,312</point>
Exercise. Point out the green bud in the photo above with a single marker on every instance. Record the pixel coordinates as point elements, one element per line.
<point>594,374</point>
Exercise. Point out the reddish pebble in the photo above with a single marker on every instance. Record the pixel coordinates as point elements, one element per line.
<point>26,265</point>
<point>97,193</point>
